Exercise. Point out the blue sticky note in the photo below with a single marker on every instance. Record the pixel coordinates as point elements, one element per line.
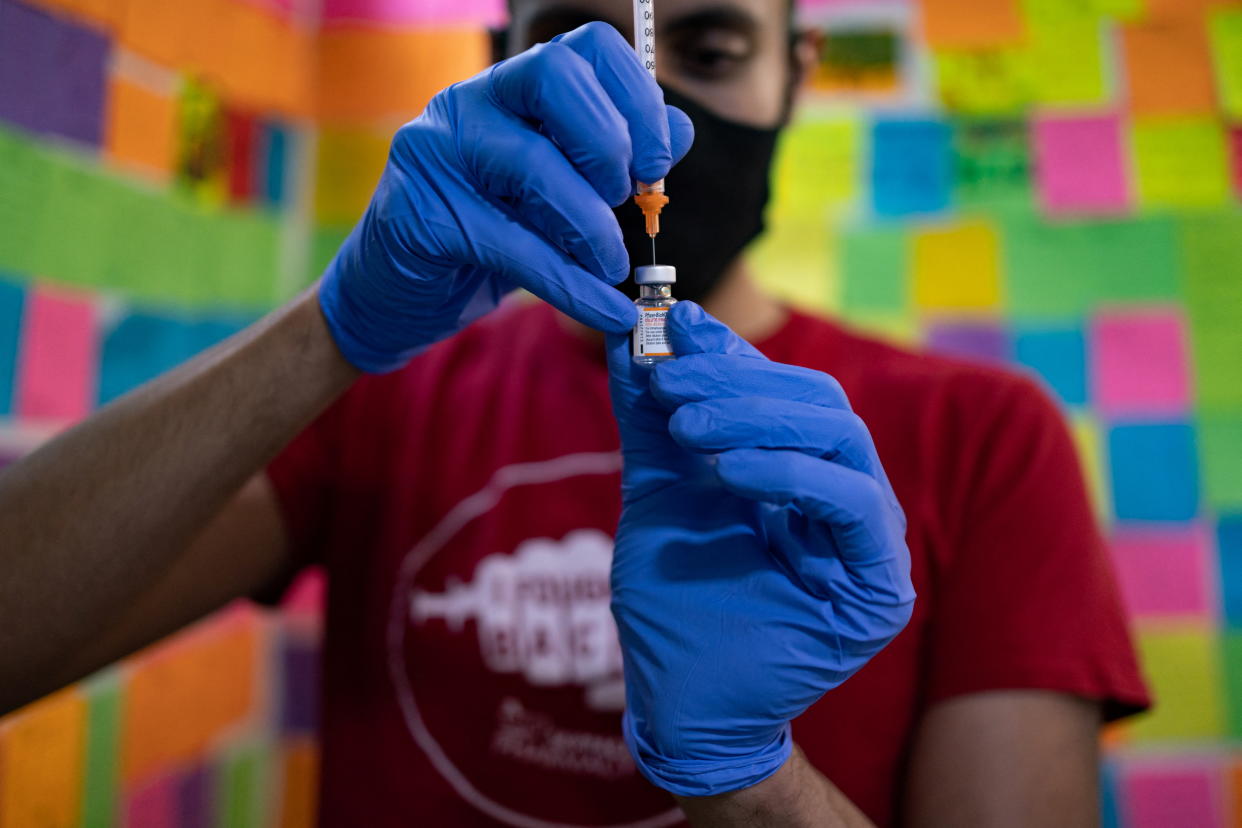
<point>1058,355</point>
<point>1229,544</point>
<point>141,346</point>
<point>1155,474</point>
<point>1108,795</point>
<point>273,147</point>
<point>911,166</point>
<point>11,299</point>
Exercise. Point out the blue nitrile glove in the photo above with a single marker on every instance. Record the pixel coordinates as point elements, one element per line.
<point>506,180</point>
<point>760,560</point>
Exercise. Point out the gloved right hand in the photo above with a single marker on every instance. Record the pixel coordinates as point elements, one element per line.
<point>506,180</point>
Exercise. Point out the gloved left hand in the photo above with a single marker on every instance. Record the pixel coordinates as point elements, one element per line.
<point>760,559</point>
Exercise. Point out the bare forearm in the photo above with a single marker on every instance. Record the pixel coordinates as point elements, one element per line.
<point>796,796</point>
<point>97,514</point>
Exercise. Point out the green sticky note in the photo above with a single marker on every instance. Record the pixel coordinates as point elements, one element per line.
<point>242,786</point>
<point>1220,459</point>
<point>325,241</point>
<point>102,761</point>
<point>25,180</point>
<point>1231,658</point>
<point>76,229</point>
<point>1181,163</point>
<point>1225,29</point>
<point>1211,256</point>
<point>991,163</point>
<point>1183,666</point>
<point>1064,270</point>
<point>875,270</point>
<point>250,258</point>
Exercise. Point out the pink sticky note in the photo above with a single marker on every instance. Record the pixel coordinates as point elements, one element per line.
<point>1159,795</point>
<point>155,803</point>
<point>1139,362</point>
<point>1163,571</point>
<point>404,12</point>
<point>58,363</point>
<point>1079,165</point>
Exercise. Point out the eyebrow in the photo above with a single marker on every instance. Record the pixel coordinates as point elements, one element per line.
<point>724,16</point>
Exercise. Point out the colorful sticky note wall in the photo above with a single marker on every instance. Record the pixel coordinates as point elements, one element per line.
<point>1052,184</point>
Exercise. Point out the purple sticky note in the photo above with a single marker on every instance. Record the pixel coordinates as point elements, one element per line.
<point>1164,572</point>
<point>978,340</point>
<point>196,798</point>
<point>1079,165</point>
<point>1139,362</point>
<point>52,73</point>
<point>59,366</point>
<point>1162,794</point>
<point>299,709</point>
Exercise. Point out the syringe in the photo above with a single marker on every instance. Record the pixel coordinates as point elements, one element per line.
<point>650,198</point>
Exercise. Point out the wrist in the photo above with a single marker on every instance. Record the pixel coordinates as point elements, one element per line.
<point>728,771</point>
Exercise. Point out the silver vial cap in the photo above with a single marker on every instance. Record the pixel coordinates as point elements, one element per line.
<point>655,275</point>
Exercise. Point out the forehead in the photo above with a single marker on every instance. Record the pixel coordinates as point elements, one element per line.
<point>620,12</point>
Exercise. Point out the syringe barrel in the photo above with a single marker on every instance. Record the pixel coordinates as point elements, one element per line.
<point>644,34</point>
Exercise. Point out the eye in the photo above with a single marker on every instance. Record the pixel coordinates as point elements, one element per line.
<point>712,54</point>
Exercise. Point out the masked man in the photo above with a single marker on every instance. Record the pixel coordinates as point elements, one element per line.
<point>528,627</point>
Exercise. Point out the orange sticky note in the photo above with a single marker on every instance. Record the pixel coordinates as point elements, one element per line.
<point>156,29</point>
<point>1169,68</point>
<point>956,268</point>
<point>141,127</point>
<point>185,692</point>
<point>370,75</point>
<point>42,748</point>
<point>258,59</point>
<point>1195,9</point>
<point>970,23</point>
<point>301,775</point>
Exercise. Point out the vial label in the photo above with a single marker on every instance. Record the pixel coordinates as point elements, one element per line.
<point>651,333</point>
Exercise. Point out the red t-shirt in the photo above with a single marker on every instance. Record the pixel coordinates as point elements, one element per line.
<point>463,508</point>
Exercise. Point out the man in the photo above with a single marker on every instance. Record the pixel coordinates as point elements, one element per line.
<point>463,504</point>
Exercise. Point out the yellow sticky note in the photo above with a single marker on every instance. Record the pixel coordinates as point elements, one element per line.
<point>1181,163</point>
<point>1183,667</point>
<point>956,268</point>
<point>1067,62</point>
<point>984,81</point>
<point>347,168</point>
<point>1225,28</point>
<point>817,167</point>
<point>795,260</point>
<point>1086,434</point>
<point>42,748</point>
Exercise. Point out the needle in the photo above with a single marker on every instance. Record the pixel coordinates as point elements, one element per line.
<point>653,258</point>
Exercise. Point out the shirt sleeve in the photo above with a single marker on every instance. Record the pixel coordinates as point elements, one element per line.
<point>1026,596</point>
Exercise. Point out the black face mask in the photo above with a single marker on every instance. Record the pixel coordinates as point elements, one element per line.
<point>717,195</point>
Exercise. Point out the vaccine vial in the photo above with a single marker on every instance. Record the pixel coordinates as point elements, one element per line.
<point>655,297</point>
